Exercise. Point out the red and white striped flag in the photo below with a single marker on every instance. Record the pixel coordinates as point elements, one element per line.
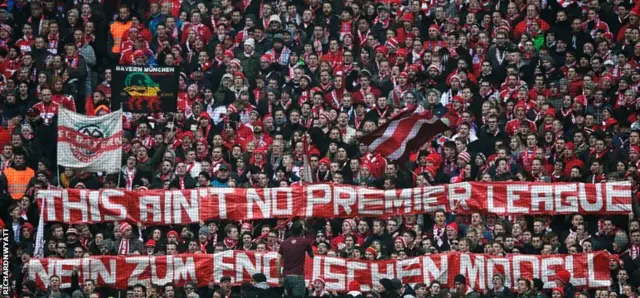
<point>404,133</point>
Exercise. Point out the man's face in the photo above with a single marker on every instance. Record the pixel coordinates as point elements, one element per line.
<point>168,291</point>
<point>61,249</point>
<point>77,252</point>
<point>137,292</point>
<point>18,160</point>
<point>123,13</point>
<point>225,286</point>
<point>392,226</point>
<point>89,287</point>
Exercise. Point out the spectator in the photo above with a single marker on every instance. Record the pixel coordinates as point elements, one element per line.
<point>292,253</point>
<point>127,245</point>
<point>18,176</point>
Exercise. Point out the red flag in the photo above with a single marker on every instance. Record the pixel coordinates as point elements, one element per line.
<point>404,133</point>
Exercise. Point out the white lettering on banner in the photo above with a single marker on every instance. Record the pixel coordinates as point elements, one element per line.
<point>611,195</point>
<point>571,199</point>
<point>458,200</point>
<point>117,212</point>
<point>267,259</point>
<point>519,260</point>
<point>512,196</point>
<point>366,197</point>
<point>222,200</point>
<point>491,204</point>
<point>584,200</point>
<point>514,209</point>
<point>47,199</point>
<point>376,275</point>
<point>473,268</point>
<point>94,206</point>
<point>288,191</point>
<point>587,270</point>
<point>312,200</point>
<point>576,281</point>
<point>316,269</point>
<point>220,266</point>
<point>64,269</point>
<point>548,268</point>
<point>593,282</point>
<point>190,206</point>
<point>184,269</point>
<point>394,202</point>
<point>492,265</point>
<point>408,268</point>
<point>80,206</point>
<point>37,271</point>
<point>94,211</point>
<point>334,280</point>
<point>345,197</point>
<point>244,264</point>
<point>263,203</point>
<point>141,265</point>
<point>430,198</point>
<point>433,271</point>
<point>541,195</point>
<point>328,200</point>
<point>156,278</point>
<point>351,272</point>
<point>100,271</point>
<point>150,205</point>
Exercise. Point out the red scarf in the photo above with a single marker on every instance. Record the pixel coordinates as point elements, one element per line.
<point>39,24</point>
<point>53,40</point>
<point>384,23</point>
<point>203,246</point>
<point>596,154</point>
<point>73,61</point>
<point>438,233</point>
<point>230,243</point>
<point>124,247</point>
<point>86,18</point>
<point>181,182</point>
<point>129,175</point>
<point>527,158</point>
<point>634,251</point>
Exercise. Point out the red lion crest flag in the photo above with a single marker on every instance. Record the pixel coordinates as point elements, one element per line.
<point>90,143</point>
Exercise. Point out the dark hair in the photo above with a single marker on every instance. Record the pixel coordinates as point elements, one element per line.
<point>296,229</point>
<point>538,284</point>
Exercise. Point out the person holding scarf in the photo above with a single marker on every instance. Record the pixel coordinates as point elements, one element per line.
<point>182,180</point>
<point>401,87</point>
<point>232,238</point>
<point>129,175</point>
<point>127,245</point>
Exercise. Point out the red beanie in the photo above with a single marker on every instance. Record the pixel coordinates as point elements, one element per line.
<point>354,285</point>
<point>561,290</point>
<point>563,276</point>
<point>454,226</point>
<point>124,226</point>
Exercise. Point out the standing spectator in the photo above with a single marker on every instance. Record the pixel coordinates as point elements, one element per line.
<point>127,245</point>
<point>18,176</point>
<point>117,29</point>
<point>291,259</point>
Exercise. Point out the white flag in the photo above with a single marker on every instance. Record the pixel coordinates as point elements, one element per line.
<point>90,143</point>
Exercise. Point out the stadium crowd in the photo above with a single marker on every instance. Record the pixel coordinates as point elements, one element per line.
<point>536,90</point>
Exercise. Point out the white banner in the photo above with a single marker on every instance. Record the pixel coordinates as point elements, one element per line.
<point>90,143</point>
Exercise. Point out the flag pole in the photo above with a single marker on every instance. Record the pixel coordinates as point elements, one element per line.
<point>305,160</point>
